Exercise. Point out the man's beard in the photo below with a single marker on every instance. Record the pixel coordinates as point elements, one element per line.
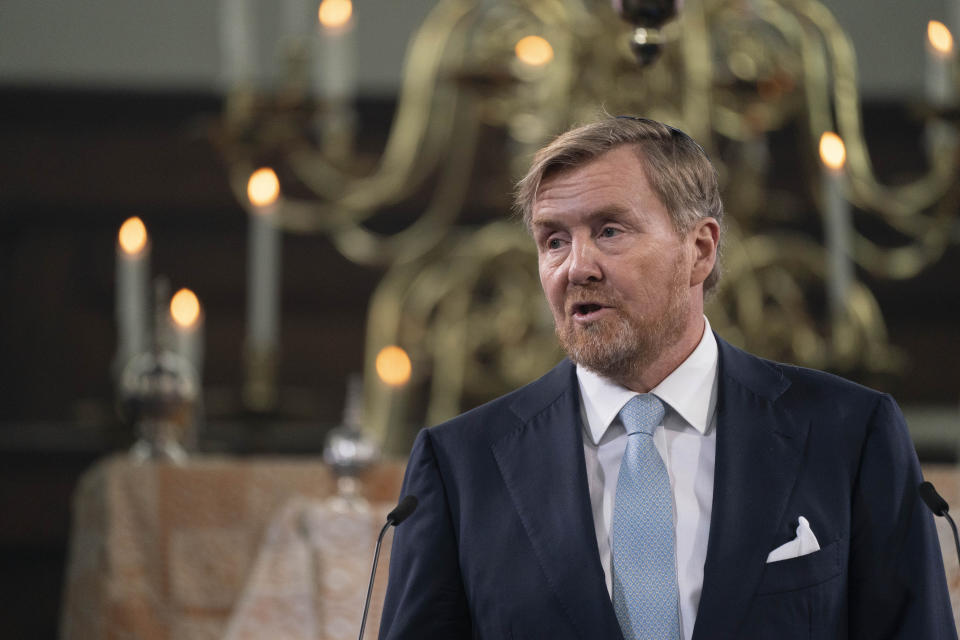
<point>624,346</point>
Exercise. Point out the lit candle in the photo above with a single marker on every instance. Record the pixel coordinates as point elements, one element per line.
<point>133,274</point>
<point>237,42</point>
<point>263,262</point>
<point>940,60</point>
<point>533,51</point>
<point>393,367</point>
<point>186,315</point>
<point>336,76</point>
<point>837,224</point>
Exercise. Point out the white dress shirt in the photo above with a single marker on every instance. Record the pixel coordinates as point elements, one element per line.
<point>687,442</point>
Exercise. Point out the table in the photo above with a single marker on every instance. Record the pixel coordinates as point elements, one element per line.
<point>160,551</point>
<point>246,548</point>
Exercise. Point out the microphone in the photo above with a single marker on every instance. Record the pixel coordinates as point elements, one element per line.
<point>400,513</point>
<point>939,507</point>
<point>407,506</point>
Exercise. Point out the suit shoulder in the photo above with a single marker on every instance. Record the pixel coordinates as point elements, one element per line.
<point>824,382</point>
<point>804,391</point>
<point>492,419</point>
<point>771,378</point>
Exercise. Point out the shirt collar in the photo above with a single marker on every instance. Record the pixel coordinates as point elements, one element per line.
<point>690,390</point>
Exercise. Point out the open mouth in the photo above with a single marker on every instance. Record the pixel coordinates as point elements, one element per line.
<point>586,308</point>
<point>588,311</point>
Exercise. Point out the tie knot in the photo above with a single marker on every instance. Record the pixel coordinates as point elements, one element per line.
<point>642,414</point>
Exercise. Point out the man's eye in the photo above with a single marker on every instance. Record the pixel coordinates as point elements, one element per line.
<point>609,232</point>
<point>553,243</point>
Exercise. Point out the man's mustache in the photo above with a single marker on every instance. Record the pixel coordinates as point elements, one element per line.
<point>591,294</point>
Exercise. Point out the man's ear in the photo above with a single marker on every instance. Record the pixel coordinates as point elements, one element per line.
<point>703,238</point>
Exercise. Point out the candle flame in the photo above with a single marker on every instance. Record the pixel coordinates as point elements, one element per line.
<point>534,51</point>
<point>263,189</point>
<point>393,366</point>
<point>132,236</point>
<point>185,308</point>
<point>939,37</point>
<point>832,151</point>
<point>335,13</point>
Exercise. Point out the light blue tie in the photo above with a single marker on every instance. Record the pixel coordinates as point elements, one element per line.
<point>645,596</point>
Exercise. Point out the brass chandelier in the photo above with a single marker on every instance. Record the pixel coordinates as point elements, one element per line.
<point>462,297</point>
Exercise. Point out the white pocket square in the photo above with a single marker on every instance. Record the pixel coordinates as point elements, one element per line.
<point>805,543</point>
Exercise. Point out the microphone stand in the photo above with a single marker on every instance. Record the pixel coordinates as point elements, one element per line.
<point>394,518</point>
<point>373,573</point>
<point>939,507</point>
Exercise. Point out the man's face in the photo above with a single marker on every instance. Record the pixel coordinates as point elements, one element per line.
<point>616,274</point>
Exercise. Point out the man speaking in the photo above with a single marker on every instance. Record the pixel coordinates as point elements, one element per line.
<point>660,483</point>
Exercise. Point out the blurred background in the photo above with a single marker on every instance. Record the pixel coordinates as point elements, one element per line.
<point>335,195</point>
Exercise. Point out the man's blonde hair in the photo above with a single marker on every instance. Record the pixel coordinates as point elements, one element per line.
<point>676,167</point>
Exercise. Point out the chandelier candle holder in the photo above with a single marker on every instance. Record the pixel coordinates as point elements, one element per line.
<point>263,290</point>
<point>485,84</point>
<point>394,369</point>
<point>837,225</point>
<point>940,84</point>
<point>941,92</point>
<point>335,75</point>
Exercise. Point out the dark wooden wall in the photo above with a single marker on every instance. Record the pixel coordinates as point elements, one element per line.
<point>75,164</point>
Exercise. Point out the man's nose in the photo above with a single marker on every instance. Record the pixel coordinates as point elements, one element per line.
<point>584,264</point>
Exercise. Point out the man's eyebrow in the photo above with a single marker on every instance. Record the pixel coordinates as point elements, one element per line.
<point>610,211</point>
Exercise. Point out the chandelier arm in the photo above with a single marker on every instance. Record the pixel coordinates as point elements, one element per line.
<point>890,202</point>
<point>383,328</point>
<point>452,341</point>
<point>422,125</point>
<point>369,248</point>
<point>901,263</point>
<point>863,319</point>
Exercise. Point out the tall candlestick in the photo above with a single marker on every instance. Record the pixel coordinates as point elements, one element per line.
<point>394,368</point>
<point>263,297</point>
<point>838,224</point>
<point>940,89</point>
<point>336,77</point>
<point>263,290</point>
<point>132,306</point>
<point>939,83</point>
<point>187,319</point>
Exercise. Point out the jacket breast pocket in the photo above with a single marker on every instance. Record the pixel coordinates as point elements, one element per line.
<point>799,573</point>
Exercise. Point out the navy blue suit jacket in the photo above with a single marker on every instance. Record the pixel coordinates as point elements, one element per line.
<point>502,544</point>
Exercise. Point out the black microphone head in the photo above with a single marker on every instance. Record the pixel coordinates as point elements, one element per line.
<point>933,499</point>
<point>403,510</point>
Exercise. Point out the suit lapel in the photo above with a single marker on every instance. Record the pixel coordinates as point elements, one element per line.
<point>543,467</point>
<point>759,453</point>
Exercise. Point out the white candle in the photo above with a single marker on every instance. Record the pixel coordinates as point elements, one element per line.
<point>940,89</point>
<point>263,263</point>
<point>394,368</point>
<point>336,71</point>
<point>838,223</point>
<point>237,42</point>
<point>133,274</point>
<point>187,321</point>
